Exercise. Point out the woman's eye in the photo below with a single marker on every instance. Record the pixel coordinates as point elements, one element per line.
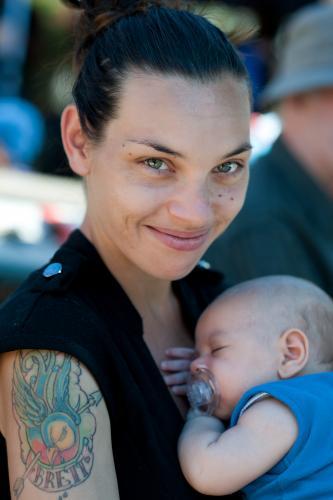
<point>229,167</point>
<point>156,164</point>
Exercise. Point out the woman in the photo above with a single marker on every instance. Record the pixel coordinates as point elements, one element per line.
<point>160,134</point>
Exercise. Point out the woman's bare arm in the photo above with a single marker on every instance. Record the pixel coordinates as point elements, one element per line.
<point>56,427</point>
<point>219,463</point>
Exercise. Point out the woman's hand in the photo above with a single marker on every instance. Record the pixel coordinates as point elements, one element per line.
<point>176,367</point>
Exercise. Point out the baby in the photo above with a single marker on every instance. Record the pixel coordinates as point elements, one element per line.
<point>268,343</point>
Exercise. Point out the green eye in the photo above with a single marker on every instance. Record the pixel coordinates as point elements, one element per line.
<point>228,167</point>
<point>156,164</point>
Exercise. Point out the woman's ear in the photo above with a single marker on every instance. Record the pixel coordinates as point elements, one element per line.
<point>294,346</point>
<point>75,141</point>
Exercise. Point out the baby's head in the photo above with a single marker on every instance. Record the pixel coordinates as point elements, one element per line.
<point>266,329</point>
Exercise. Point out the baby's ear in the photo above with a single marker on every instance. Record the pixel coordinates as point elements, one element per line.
<point>294,348</point>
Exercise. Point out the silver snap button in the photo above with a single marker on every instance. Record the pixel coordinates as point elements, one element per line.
<point>204,264</point>
<point>52,270</point>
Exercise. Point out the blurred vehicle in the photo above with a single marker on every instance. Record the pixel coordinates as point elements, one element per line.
<point>37,212</point>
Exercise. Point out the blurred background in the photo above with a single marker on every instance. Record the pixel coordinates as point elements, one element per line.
<point>40,200</point>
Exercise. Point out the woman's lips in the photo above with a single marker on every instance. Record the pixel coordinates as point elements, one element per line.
<point>180,240</point>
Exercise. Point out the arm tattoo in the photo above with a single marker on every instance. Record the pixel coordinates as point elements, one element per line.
<point>56,425</point>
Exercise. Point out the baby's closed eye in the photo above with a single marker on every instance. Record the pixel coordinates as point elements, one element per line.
<point>218,349</point>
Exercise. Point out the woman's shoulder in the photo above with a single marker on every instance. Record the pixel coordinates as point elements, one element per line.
<point>41,309</point>
<point>47,301</point>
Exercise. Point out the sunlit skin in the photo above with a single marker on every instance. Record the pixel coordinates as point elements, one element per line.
<point>233,346</point>
<point>169,175</point>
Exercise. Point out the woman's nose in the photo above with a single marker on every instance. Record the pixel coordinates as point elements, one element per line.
<point>192,205</point>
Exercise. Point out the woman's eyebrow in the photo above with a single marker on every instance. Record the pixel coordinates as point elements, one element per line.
<point>246,146</point>
<point>158,147</point>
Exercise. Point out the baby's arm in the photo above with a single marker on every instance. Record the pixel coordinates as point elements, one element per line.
<point>218,462</point>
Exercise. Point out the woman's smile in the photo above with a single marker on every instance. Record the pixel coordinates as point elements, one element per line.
<point>180,240</point>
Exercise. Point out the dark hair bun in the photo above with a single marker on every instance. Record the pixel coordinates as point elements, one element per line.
<point>73,3</point>
<point>107,12</point>
<point>120,8</point>
<point>100,14</point>
<point>114,8</point>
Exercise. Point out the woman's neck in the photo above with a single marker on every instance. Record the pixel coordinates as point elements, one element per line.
<point>163,325</point>
<point>149,295</point>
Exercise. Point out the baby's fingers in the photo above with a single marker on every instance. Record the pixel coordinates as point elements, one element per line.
<point>177,382</point>
<point>181,353</point>
<point>176,365</point>
<point>177,368</point>
<point>175,379</point>
<point>179,390</point>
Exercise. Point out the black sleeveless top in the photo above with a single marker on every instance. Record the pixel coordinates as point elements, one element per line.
<point>84,312</point>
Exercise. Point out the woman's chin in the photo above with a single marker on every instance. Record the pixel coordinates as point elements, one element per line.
<point>174,272</point>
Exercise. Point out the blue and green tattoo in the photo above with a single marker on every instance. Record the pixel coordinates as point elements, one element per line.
<point>56,424</point>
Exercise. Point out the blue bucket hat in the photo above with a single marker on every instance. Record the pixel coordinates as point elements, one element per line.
<point>304,54</point>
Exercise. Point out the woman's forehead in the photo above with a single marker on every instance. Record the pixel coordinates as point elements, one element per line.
<point>155,92</point>
<point>177,112</point>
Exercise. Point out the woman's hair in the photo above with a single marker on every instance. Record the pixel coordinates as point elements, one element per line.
<point>115,36</point>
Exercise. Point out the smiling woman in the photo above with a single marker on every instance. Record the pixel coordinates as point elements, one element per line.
<point>154,178</point>
<point>159,130</point>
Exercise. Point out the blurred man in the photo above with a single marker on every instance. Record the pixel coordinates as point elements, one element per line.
<point>286,224</point>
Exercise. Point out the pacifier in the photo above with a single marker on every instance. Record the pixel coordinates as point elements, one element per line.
<point>202,391</point>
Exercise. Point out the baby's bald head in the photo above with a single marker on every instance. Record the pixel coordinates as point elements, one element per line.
<point>275,304</point>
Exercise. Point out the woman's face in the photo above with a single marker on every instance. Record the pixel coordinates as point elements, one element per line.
<point>171,171</point>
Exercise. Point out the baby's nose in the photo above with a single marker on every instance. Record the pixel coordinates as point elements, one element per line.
<point>197,364</point>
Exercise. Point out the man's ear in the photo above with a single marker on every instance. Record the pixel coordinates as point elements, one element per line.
<point>74,140</point>
<point>294,346</point>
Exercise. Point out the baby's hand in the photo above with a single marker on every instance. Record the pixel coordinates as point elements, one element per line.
<point>177,368</point>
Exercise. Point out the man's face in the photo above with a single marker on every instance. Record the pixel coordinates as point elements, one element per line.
<point>317,109</point>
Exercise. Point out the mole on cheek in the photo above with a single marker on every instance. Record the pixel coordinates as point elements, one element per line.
<point>219,195</point>
<point>231,199</point>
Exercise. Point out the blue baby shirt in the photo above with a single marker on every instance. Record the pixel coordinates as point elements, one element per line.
<point>306,471</point>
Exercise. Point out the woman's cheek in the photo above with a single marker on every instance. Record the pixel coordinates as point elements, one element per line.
<point>235,196</point>
<point>227,203</point>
